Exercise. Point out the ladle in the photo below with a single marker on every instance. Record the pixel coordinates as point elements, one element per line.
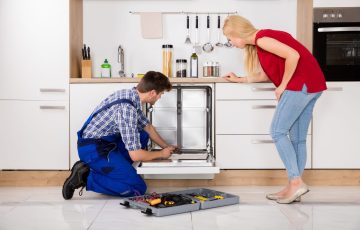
<point>208,47</point>
<point>219,44</point>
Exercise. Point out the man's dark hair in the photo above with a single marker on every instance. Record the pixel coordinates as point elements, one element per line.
<point>153,80</point>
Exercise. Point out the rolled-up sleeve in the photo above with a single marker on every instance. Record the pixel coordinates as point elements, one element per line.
<point>128,122</point>
<point>142,119</point>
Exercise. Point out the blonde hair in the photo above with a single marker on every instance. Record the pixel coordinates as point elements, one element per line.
<point>240,27</point>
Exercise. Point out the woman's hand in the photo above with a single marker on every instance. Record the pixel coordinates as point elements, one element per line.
<point>279,91</point>
<point>232,77</point>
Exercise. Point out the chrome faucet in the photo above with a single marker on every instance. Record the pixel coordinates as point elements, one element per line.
<point>121,61</point>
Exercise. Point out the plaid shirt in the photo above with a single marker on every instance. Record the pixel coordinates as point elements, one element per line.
<point>120,118</point>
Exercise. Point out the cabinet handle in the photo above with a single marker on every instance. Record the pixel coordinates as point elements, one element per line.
<point>51,90</point>
<point>61,107</point>
<point>335,89</point>
<point>339,29</point>
<point>263,106</point>
<point>256,89</point>
<point>262,141</point>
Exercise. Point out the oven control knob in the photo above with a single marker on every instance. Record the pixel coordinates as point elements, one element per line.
<point>339,15</point>
<point>332,15</point>
<point>325,15</point>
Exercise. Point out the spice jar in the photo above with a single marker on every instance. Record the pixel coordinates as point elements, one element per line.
<point>181,66</point>
<point>217,69</point>
<point>167,54</point>
<point>211,69</point>
<point>205,69</point>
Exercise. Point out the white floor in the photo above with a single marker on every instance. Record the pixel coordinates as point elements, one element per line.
<point>44,208</point>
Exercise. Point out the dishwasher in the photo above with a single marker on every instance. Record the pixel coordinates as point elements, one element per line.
<point>183,117</point>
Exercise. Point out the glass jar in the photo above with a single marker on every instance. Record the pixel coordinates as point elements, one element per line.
<point>167,54</point>
<point>211,69</point>
<point>181,67</point>
<point>205,69</point>
<point>217,69</point>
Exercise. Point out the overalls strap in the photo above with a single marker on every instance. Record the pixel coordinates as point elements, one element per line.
<point>119,101</point>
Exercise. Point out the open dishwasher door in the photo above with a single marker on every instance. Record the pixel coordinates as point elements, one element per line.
<point>183,117</point>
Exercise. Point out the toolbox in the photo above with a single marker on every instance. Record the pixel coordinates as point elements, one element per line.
<point>164,204</point>
<point>183,117</point>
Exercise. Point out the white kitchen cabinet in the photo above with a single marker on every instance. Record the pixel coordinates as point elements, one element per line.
<point>83,100</point>
<point>250,152</point>
<point>336,128</point>
<point>243,118</point>
<point>34,46</point>
<point>34,79</point>
<point>34,135</point>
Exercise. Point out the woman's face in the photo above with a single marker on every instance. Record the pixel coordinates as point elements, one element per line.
<point>237,42</point>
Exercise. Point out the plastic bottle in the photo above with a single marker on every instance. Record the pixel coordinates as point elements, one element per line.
<point>106,69</point>
<point>194,63</point>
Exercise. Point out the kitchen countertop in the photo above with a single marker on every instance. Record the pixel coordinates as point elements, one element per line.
<point>134,80</point>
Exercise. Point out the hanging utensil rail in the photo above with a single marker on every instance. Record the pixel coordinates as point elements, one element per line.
<point>185,12</point>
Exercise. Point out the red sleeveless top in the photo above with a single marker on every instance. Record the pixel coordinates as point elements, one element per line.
<point>307,72</point>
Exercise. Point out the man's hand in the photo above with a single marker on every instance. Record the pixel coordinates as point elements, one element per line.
<point>279,91</point>
<point>167,151</point>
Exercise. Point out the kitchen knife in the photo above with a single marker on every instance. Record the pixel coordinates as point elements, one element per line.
<point>88,53</point>
<point>85,56</point>
<point>83,53</point>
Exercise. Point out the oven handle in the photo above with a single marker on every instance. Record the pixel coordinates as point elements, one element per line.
<point>338,29</point>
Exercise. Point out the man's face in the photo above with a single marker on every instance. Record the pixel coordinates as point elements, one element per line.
<point>154,97</point>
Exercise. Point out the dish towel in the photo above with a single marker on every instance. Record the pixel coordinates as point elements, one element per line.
<point>151,25</point>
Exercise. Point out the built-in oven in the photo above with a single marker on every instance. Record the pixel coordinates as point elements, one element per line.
<point>336,42</point>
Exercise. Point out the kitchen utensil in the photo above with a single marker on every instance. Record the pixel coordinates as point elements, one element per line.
<point>187,40</point>
<point>208,47</point>
<point>88,53</point>
<point>197,46</point>
<point>228,44</point>
<point>121,61</point>
<point>219,44</point>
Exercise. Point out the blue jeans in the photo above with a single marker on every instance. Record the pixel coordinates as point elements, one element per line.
<point>289,128</point>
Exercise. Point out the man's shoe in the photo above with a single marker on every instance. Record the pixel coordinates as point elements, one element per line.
<point>77,179</point>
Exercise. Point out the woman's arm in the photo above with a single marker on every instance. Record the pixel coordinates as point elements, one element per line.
<point>290,55</point>
<point>259,77</point>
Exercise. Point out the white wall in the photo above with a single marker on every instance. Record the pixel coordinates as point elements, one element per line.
<point>336,3</point>
<point>108,23</point>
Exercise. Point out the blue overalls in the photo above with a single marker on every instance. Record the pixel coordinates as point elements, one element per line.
<point>111,170</point>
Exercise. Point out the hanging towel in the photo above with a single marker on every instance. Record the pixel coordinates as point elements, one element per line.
<point>151,24</point>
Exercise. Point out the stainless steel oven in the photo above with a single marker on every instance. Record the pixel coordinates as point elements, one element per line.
<point>336,42</point>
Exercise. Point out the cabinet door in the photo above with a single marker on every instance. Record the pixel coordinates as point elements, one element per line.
<point>250,152</point>
<point>244,116</point>
<point>232,91</point>
<point>336,128</point>
<point>83,100</point>
<point>34,46</point>
<point>35,135</point>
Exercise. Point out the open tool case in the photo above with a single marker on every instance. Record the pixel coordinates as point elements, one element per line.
<point>164,204</point>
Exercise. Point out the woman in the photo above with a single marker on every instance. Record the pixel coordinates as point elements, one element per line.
<point>276,56</point>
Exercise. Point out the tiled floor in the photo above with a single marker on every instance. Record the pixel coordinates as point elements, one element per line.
<point>324,208</point>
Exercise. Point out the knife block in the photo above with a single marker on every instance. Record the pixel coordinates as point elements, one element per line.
<point>86,68</point>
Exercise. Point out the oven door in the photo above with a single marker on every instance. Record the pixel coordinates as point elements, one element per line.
<point>336,46</point>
